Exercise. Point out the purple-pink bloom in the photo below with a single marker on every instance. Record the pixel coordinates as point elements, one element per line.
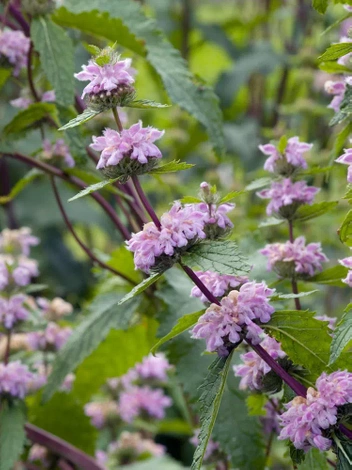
<point>17,242</point>
<point>254,368</point>
<point>14,45</point>
<point>331,320</point>
<point>105,78</point>
<point>153,367</point>
<point>346,159</point>
<point>100,412</point>
<point>347,262</point>
<point>53,338</point>
<point>137,401</point>
<point>39,453</point>
<point>23,102</point>
<point>18,270</point>
<point>235,318</point>
<point>15,379</point>
<point>306,259</point>
<point>216,214</point>
<point>293,154</point>
<point>212,446</point>
<point>285,193</point>
<point>136,143</point>
<point>335,389</point>
<point>12,310</point>
<point>58,150</point>
<point>270,421</point>
<point>217,284</point>
<point>337,89</point>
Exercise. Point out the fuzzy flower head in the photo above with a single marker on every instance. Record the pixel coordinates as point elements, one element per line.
<point>143,402</point>
<point>287,161</point>
<point>57,154</point>
<point>53,338</point>
<point>54,309</point>
<point>235,318</point>
<point>129,152</point>
<point>15,379</point>
<point>347,262</point>
<point>17,242</point>
<point>211,449</point>
<point>14,48</point>
<point>287,196</point>
<point>110,80</point>
<point>12,310</point>
<point>217,284</point>
<point>101,413</point>
<point>292,259</point>
<point>346,159</point>
<point>17,271</point>
<point>153,368</point>
<point>254,368</point>
<point>337,89</point>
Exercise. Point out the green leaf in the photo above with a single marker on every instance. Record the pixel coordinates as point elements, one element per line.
<point>75,138</point>
<point>20,185</point>
<point>320,5</point>
<point>210,400</point>
<point>332,67</point>
<point>183,324</point>
<point>170,167</point>
<point>107,312</point>
<point>345,231</point>
<point>92,188</point>
<point>270,221</point>
<point>222,257</point>
<point>331,276</point>
<point>255,404</point>
<point>307,212</point>
<point>336,51</point>
<point>259,183</point>
<point>12,435</point>
<point>141,287</point>
<point>145,104</point>
<point>159,463</point>
<point>87,115</point>
<point>304,339</point>
<point>314,460</point>
<point>341,139</point>
<point>345,110</point>
<point>281,146</point>
<point>57,57</point>
<point>30,117</point>
<point>199,100</point>
<point>342,335</point>
<point>190,200</point>
<point>279,297</point>
<point>231,196</point>
<point>5,74</point>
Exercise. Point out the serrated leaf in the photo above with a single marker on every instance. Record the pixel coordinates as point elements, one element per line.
<point>75,138</point>
<point>27,118</point>
<point>231,196</point>
<point>345,231</point>
<point>307,212</point>
<point>199,100</point>
<point>171,167</point>
<point>92,188</point>
<point>210,400</point>
<point>279,297</point>
<point>259,183</point>
<point>314,460</point>
<point>222,257</point>
<point>342,336</point>
<point>336,51</point>
<point>87,115</point>
<point>57,57</point>
<point>20,185</point>
<point>331,276</point>
<point>12,435</point>
<point>145,104</point>
<point>183,324</point>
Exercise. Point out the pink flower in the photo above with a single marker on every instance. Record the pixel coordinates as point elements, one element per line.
<point>254,368</point>
<point>17,242</point>
<point>347,262</point>
<point>217,284</point>
<point>59,150</point>
<point>49,96</point>
<point>306,259</point>
<point>14,45</point>
<point>285,193</point>
<point>23,102</point>
<point>38,453</point>
<point>293,154</point>
<point>135,143</point>
<point>335,389</point>
<point>18,270</point>
<point>235,317</point>
<point>331,320</point>
<point>337,89</point>
<point>214,214</point>
<point>153,367</point>
<point>101,412</point>
<point>138,400</point>
<point>212,446</point>
<point>346,159</point>
<point>15,379</point>
<point>53,338</point>
<point>12,310</point>
<point>106,77</point>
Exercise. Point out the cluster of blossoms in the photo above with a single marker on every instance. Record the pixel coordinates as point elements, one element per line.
<point>308,421</point>
<point>284,163</point>
<point>292,258</point>
<point>346,159</point>
<point>14,48</point>
<point>347,262</point>
<point>217,284</point>
<point>236,318</point>
<point>57,153</point>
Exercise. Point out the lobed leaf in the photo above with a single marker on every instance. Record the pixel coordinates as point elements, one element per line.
<point>307,212</point>
<point>27,118</point>
<point>171,167</point>
<point>342,335</point>
<point>12,435</point>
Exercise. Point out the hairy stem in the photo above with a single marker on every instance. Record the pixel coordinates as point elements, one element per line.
<point>193,276</point>
<point>145,201</point>
<point>117,119</point>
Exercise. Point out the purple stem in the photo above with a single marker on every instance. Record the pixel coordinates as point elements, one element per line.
<point>61,448</point>
<point>30,74</point>
<point>20,20</point>
<point>193,276</point>
<point>145,202</point>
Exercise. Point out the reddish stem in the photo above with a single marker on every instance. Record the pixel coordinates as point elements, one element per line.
<point>30,74</point>
<point>145,202</point>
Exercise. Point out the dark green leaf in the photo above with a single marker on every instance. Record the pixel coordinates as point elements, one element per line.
<point>222,257</point>
<point>331,276</point>
<point>31,116</point>
<point>345,231</point>
<point>5,74</point>
<point>145,104</point>
<point>344,451</point>
<point>210,400</point>
<point>314,460</point>
<point>341,139</point>
<point>170,167</point>
<point>57,57</point>
<point>87,115</point>
<point>12,435</point>
<point>320,5</point>
<point>336,51</point>
<point>20,185</point>
<point>307,212</point>
<point>342,336</point>
<point>345,110</point>
<point>92,188</point>
<point>297,455</point>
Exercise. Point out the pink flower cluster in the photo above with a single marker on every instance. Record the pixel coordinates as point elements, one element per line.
<point>135,143</point>
<point>347,262</point>
<point>58,151</point>
<point>212,446</point>
<point>306,259</point>
<point>137,401</point>
<point>236,317</point>
<point>16,379</point>
<point>53,338</point>
<point>346,159</point>
<point>307,418</point>
<point>254,368</point>
<point>17,242</point>
<point>12,310</point>
<point>18,271</point>
<point>14,45</point>
<point>217,284</point>
<point>285,193</point>
<point>337,89</point>
<point>105,78</point>
<point>293,154</point>
<point>153,367</point>
<point>23,102</point>
<point>101,412</point>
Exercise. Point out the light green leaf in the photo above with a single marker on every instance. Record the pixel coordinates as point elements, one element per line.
<point>332,67</point>
<point>331,276</point>
<point>75,137</point>
<point>345,231</point>
<point>342,335</point>
<point>170,167</point>
<point>307,212</point>
<point>5,74</point>
<point>341,138</point>
<point>12,435</point>
<point>145,104</point>
<point>222,257</point>
<point>199,100</point>
<point>259,183</point>
<point>92,188</point>
<point>336,51</point>
<point>270,221</point>
<point>231,196</point>
<point>57,57</point>
<point>190,200</point>
<point>255,404</point>
<point>30,117</point>
<point>320,5</point>
<point>282,144</point>
<point>345,110</point>
<point>159,463</point>
<point>87,115</point>
<point>183,324</point>
<point>141,287</point>
<point>210,400</point>
<point>279,297</point>
<point>314,460</point>
<point>20,185</point>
